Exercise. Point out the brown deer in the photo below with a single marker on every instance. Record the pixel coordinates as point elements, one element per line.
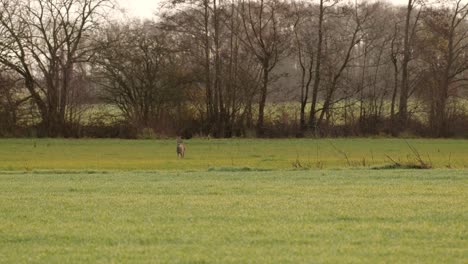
<point>180,148</point>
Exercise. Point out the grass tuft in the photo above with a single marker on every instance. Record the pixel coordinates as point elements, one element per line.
<point>400,166</point>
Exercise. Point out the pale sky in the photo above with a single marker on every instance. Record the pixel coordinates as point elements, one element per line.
<point>146,8</point>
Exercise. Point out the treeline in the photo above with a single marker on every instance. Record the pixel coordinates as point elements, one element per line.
<point>234,68</point>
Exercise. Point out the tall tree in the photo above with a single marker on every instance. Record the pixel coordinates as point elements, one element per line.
<point>409,31</point>
<point>140,73</point>
<point>340,55</point>
<point>43,40</point>
<point>447,31</point>
<point>264,35</point>
<point>318,65</point>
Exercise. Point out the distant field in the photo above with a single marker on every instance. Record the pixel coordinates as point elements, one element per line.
<point>339,216</point>
<point>228,154</point>
<point>108,114</point>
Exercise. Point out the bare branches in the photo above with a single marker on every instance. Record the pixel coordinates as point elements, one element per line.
<point>45,41</point>
<point>264,38</point>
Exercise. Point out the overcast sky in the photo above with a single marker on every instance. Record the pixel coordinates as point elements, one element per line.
<point>146,8</point>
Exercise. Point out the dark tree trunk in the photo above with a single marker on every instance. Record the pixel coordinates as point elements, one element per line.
<point>403,105</point>
<point>262,102</point>
<point>318,64</point>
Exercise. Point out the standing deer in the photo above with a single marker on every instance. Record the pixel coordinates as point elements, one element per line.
<point>180,148</point>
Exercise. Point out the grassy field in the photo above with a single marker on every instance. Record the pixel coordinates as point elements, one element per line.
<point>232,201</point>
<point>339,216</point>
<point>202,154</point>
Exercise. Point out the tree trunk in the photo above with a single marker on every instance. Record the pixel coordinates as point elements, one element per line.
<point>209,95</point>
<point>394,95</point>
<point>318,64</point>
<point>261,104</point>
<point>403,106</point>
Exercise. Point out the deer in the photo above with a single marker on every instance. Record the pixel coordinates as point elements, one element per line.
<point>180,148</point>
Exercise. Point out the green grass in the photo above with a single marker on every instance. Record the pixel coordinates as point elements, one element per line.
<point>202,154</point>
<point>331,216</point>
<point>232,201</point>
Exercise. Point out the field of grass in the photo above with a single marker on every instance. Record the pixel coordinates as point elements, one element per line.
<point>203,154</point>
<point>233,201</point>
<point>330,216</point>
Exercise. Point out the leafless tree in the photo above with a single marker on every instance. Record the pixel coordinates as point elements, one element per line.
<point>265,35</point>
<point>304,40</point>
<point>141,73</point>
<point>409,32</point>
<point>341,52</point>
<point>447,32</point>
<point>43,40</point>
<point>12,102</point>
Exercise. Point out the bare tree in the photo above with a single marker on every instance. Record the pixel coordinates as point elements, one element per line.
<point>447,31</point>
<point>304,48</point>
<point>373,80</point>
<point>409,32</point>
<point>395,51</point>
<point>264,35</point>
<point>12,100</point>
<point>43,41</point>
<point>318,62</point>
<point>141,73</point>
<point>225,70</point>
<point>341,53</point>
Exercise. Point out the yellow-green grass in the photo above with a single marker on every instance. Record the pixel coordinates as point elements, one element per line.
<point>225,154</point>
<point>339,216</point>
